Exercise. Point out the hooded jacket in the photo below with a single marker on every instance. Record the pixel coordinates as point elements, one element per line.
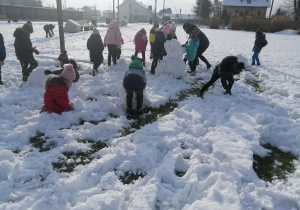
<point>260,42</point>
<point>56,97</point>
<point>135,76</point>
<point>193,30</point>
<point>23,45</point>
<point>226,70</point>
<point>158,45</point>
<point>141,40</point>
<point>2,49</point>
<point>95,46</point>
<point>191,49</point>
<point>113,34</point>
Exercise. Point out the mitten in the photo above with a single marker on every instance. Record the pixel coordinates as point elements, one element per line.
<point>47,71</point>
<point>36,51</point>
<point>122,42</point>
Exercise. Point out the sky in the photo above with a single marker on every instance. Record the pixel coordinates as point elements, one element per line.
<point>198,153</point>
<point>185,6</point>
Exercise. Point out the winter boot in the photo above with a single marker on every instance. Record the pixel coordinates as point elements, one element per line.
<point>253,63</point>
<point>258,64</point>
<point>95,71</point>
<point>152,72</point>
<point>193,73</point>
<point>200,95</point>
<point>1,83</point>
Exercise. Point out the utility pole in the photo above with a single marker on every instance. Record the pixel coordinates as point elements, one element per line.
<point>154,19</point>
<point>113,9</point>
<point>60,25</point>
<point>200,4</point>
<point>118,10</point>
<point>163,9</point>
<point>271,10</point>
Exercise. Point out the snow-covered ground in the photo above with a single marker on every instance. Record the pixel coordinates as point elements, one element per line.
<point>211,140</point>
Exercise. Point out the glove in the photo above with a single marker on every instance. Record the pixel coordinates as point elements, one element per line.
<point>122,42</point>
<point>47,71</point>
<point>183,45</point>
<point>36,51</point>
<point>227,92</point>
<point>104,45</point>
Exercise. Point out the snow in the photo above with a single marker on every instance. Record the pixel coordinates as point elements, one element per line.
<point>210,140</point>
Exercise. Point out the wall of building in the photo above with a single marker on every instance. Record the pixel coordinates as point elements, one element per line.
<point>134,12</point>
<point>37,13</point>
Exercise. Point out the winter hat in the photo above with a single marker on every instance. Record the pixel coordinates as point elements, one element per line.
<point>186,26</point>
<point>195,39</point>
<point>259,32</point>
<point>173,26</point>
<point>238,67</point>
<point>63,57</point>
<point>166,30</point>
<point>135,57</point>
<point>68,72</point>
<point>95,30</point>
<point>28,26</point>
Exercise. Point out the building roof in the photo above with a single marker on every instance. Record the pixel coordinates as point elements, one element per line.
<point>181,16</point>
<point>247,3</point>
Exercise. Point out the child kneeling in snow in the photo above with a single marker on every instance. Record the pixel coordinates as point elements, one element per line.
<point>135,81</point>
<point>56,97</point>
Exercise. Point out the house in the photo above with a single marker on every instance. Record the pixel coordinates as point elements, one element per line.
<point>246,6</point>
<point>91,12</point>
<point>134,11</point>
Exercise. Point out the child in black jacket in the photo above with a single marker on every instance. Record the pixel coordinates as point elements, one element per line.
<point>63,59</point>
<point>2,55</point>
<point>225,70</point>
<point>157,49</point>
<point>260,42</point>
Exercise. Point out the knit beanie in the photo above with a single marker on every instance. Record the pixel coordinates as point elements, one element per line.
<point>95,30</point>
<point>28,26</point>
<point>173,26</point>
<point>186,26</point>
<point>166,30</point>
<point>68,72</point>
<point>63,57</point>
<point>259,32</point>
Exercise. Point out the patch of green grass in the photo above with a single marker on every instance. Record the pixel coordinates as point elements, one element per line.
<point>156,113</point>
<point>130,176</point>
<point>256,85</point>
<point>40,142</point>
<point>73,159</point>
<point>266,168</point>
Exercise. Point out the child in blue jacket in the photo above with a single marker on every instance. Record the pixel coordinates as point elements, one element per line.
<point>191,52</point>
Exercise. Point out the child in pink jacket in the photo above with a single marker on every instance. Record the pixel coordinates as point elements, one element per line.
<point>141,42</point>
<point>112,38</point>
